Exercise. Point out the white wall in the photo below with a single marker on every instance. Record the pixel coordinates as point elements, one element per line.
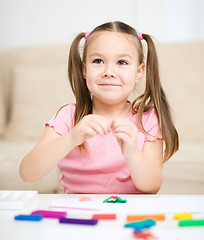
<point>172,20</point>
<point>35,22</point>
<point>27,22</point>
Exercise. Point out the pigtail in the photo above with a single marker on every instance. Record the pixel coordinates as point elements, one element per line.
<point>77,81</point>
<point>154,96</point>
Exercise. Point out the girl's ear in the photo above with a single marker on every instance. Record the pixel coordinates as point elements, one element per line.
<point>84,70</point>
<point>140,72</point>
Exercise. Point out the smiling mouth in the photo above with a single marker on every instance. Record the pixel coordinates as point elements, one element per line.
<point>110,85</point>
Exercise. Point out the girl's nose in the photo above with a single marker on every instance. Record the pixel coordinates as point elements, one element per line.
<point>109,75</point>
<point>109,72</point>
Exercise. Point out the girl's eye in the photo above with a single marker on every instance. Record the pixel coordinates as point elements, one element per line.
<point>122,62</point>
<point>98,61</point>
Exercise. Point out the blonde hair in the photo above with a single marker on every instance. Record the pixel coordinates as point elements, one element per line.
<point>153,97</point>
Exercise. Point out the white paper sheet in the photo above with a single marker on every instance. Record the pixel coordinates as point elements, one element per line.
<point>139,205</point>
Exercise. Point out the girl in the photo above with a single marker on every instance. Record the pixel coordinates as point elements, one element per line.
<point>104,143</point>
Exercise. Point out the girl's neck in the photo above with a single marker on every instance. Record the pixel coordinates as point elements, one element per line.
<point>109,111</point>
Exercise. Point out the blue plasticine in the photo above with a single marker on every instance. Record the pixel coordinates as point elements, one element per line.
<point>28,217</point>
<point>138,226</point>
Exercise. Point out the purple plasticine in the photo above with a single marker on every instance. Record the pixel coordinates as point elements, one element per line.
<point>79,221</point>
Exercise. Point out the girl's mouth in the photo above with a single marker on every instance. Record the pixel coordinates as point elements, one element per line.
<point>109,85</point>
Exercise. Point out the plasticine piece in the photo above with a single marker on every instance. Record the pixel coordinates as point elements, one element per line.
<point>104,216</point>
<point>50,214</point>
<point>144,235</point>
<point>156,217</point>
<point>28,217</point>
<point>120,200</point>
<point>84,199</point>
<point>191,223</point>
<point>138,226</point>
<point>114,199</point>
<point>107,199</point>
<point>79,221</point>
<point>183,216</point>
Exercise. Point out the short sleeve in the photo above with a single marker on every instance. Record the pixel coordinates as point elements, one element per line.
<point>63,121</point>
<point>151,126</point>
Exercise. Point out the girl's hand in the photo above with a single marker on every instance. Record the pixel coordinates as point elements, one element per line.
<point>126,133</point>
<point>88,127</point>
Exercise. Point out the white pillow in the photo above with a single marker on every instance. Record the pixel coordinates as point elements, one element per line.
<point>38,93</point>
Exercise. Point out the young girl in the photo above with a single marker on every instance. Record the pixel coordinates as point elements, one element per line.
<point>104,143</point>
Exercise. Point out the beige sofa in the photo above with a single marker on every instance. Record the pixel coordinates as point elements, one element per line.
<point>34,85</point>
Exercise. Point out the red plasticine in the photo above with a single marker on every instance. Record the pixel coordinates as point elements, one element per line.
<point>104,216</point>
<point>144,235</point>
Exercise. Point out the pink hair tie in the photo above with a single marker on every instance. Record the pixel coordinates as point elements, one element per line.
<point>139,34</point>
<point>87,34</point>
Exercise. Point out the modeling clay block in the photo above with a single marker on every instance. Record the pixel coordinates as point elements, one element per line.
<point>107,199</point>
<point>114,199</point>
<point>28,217</point>
<point>84,199</point>
<point>138,226</point>
<point>117,200</point>
<point>50,214</point>
<point>144,235</point>
<point>156,217</point>
<point>104,216</point>
<point>191,223</point>
<point>79,221</point>
<point>183,216</point>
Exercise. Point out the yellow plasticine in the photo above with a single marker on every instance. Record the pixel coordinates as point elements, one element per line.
<point>183,216</point>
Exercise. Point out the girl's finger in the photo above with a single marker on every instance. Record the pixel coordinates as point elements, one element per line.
<point>124,123</point>
<point>124,129</point>
<point>102,122</point>
<point>89,132</point>
<point>98,128</point>
<point>122,137</point>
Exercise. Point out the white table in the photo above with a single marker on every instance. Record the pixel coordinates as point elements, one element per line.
<point>105,229</point>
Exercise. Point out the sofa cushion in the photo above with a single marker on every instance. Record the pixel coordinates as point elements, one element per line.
<point>37,94</point>
<point>181,68</point>
<point>183,173</point>
<point>11,155</point>
<point>2,109</point>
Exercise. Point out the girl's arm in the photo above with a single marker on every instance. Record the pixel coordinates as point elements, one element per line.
<point>52,147</point>
<point>145,166</point>
<point>47,153</point>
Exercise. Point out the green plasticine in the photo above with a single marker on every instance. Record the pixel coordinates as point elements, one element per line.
<point>191,223</point>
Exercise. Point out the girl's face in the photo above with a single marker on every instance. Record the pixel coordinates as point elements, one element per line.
<point>111,67</point>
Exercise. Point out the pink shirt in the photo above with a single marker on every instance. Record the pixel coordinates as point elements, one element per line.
<point>104,168</point>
